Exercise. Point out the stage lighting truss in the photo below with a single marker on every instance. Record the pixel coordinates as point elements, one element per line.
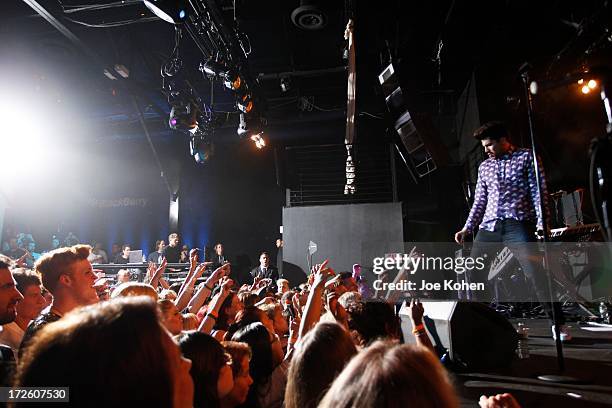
<point>224,50</point>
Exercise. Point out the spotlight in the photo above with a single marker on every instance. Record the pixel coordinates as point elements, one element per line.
<point>172,11</point>
<point>243,127</point>
<point>592,84</point>
<point>232,80</point>
<point>585,89</point>
<point>259,141</point>
<point>201,148</point>
<point>252,127</point>
<point>213,69</point>
<point>249,125</point>
<point>183,116</point>
<point>245,103</point>
<point>285,84</point>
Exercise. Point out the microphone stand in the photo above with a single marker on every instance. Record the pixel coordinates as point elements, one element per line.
<point>524,72</point>
<point>600,169</point>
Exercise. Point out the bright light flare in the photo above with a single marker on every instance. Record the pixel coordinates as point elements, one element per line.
<point>592,84</point>
<point>585,89</point>
<point>21,134</point>
<point>25,135</point>
<point>259,141</point>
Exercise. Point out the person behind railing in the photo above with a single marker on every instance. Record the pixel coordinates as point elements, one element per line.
<point>156,255</point>
<point>124,257</point>
<point>218,258</point>
<point>172,252</point>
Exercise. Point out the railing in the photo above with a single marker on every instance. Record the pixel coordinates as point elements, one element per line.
<point>175,272</point>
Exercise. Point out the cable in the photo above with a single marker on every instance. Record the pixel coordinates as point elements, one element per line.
<point>115,24</point>
<point>88,7</point>
<point>371,115</point>
<point>307,103</point>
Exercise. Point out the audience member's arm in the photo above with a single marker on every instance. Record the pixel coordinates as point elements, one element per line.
<point>215,304</point>
<point>314,304</point>
<point>158,273</point>
<point>150,273</point>
<point>336,309</point>
<point>294,327</point>
<point>164,283</point>
<point>187,289</point>
<point>416,311</point>
<point>193,263</point>
<point>204,291</point>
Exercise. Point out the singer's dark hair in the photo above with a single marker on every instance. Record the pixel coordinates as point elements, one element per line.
<point>494,130</point>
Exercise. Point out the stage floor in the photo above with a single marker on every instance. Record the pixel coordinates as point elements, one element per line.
<point>588,357</point>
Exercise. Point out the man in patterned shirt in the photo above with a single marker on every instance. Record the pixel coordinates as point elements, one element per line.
<point>506,205</point>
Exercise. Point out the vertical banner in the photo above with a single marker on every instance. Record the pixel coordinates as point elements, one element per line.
<point>349,187</point>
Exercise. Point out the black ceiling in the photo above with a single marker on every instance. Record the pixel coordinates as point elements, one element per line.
<point>474,34</point>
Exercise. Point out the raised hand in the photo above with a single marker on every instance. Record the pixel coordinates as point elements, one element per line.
<point>505,400</point>
<point>21,262</point>
<point>193,259</point>
<point>219,273</point>
<point>416,311</point>
<point>226,284</point>
<point>321,273</point>
<point>162,266</point>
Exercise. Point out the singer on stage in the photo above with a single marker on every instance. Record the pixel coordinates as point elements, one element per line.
<point>506,206</point>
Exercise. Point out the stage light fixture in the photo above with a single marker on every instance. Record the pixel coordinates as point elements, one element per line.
<point>245,103</point>
<point>213,69</point>
<point>592,84</point>
<point>200,147</point>
<point>243,127</point>
<point>285,84</point>
<point>585,89</point>
<point>259,141</point>
<point>232,80</point>
<point>171,11</point>
<point>183,116</point>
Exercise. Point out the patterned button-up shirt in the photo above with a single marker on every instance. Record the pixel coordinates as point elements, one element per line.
<point>506,189</point>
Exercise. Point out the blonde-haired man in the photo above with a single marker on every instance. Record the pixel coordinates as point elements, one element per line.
<point>68,275</point>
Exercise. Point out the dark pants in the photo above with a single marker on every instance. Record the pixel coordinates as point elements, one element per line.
<point>513,234</point>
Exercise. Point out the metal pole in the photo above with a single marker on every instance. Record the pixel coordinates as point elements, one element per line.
<point>555,318</point>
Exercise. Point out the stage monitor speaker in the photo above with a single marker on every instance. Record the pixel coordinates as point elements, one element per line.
<point>476,336</point>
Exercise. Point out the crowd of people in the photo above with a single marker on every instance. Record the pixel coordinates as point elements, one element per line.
<point>213,344</point>
<point>25,249</point>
